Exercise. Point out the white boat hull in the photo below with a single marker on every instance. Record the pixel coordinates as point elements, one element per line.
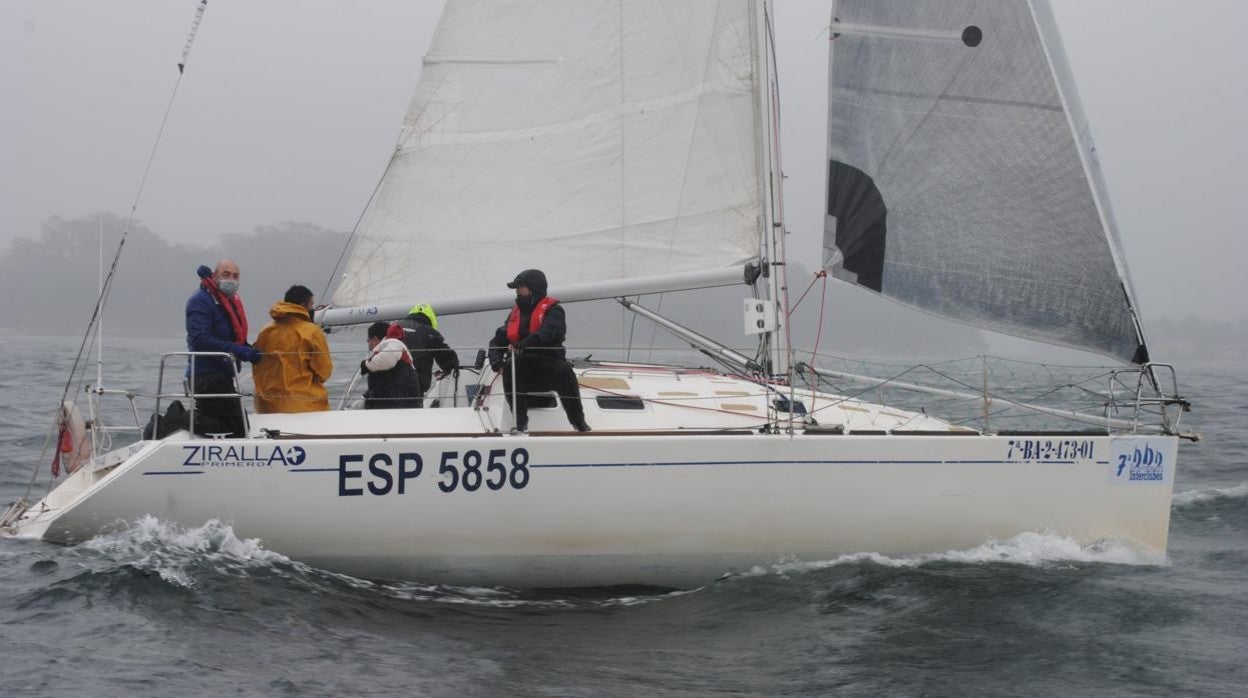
<point>665,509</point>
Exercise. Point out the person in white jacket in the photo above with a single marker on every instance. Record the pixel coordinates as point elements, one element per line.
<point>392,381</point>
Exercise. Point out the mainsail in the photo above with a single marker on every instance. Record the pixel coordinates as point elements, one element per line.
<point>961,177</point>
<point>601,140</point>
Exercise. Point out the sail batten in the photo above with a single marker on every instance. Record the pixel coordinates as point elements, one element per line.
<point>961,176</point>
<point>595,139</point>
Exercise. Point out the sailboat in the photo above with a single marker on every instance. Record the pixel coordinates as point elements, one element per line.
<point>630,148</point>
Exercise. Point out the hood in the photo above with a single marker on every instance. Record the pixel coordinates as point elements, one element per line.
<point>533,279</point>
<point>287,312</point>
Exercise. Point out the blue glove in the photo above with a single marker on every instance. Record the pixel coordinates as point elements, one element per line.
<point>248,354</point>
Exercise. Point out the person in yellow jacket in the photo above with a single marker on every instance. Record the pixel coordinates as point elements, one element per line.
<point>296,364</point>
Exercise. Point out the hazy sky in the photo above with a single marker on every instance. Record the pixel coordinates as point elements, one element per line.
<point>289,111</point>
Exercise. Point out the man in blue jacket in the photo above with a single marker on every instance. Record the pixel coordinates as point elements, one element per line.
<point>216,321</point>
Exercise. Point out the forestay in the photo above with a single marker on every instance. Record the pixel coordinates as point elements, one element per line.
<point>962,180</point>
<point>600,140</point>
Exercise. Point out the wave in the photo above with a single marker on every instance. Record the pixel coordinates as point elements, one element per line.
<point>1207,494</point>
<point>507,598</point>
<point>174,552</point>
<point>180,556</point>
<point>184,556</point>
<point>1028,549</point>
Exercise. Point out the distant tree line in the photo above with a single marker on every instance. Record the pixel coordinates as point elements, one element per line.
<point>51,282</point>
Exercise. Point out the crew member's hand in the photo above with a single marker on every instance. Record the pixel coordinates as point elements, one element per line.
<point>248,354</point>
<point>364,368</point>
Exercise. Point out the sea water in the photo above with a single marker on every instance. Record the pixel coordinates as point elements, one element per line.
<point>162,610</point>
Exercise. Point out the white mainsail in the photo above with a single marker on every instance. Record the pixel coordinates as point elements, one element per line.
<point>600,140</point>
<point>962,180</point>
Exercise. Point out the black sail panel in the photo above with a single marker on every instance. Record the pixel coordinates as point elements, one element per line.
<point>857,220</point>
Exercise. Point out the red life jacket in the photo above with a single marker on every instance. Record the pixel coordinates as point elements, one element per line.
<point>535,320</point>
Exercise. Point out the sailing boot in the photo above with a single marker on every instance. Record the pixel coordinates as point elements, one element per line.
<point>575,411</point>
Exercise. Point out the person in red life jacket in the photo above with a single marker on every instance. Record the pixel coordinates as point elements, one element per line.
<point>216,321</point>
<point>536,329</point>
<point>392,381</point>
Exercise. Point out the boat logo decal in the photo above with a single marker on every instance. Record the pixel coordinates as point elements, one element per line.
<point>242,456</point>
<point>1138,460</point>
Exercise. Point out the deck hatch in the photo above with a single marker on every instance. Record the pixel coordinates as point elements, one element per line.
<point>620,402</point>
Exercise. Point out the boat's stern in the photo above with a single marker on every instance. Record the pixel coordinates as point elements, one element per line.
<point>27,519</point>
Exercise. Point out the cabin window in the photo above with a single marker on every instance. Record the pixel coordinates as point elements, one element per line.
<point>782,405</point>
<point>620,402</point>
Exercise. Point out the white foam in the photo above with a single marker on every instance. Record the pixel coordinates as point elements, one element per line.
<point>1210,493</point>
<point>504,598</point>
<point>626,601</point>
<point>1029,549</point>
<point>175,553</point>
<point>456,595</point>
<point>170,550</point>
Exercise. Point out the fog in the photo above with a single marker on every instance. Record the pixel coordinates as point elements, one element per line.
<point>289,111</point>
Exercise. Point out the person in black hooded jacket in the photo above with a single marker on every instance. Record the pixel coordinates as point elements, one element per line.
<point>420,334</point>
<point>536,328</point>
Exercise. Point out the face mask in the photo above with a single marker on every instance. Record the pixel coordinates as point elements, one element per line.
<point>525,302</point>
<point>228,286</point>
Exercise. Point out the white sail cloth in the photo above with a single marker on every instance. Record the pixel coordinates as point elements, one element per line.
<point>961,175</point>
<point>598,140</point>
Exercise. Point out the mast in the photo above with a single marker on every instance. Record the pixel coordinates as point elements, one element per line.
<point>99,331</point>
<point>771,249</point>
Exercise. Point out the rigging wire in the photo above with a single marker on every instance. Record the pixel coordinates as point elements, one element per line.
<point>818,275</point>
<point>79,367</point>
<point>823,298</point>
<point>654,329</point>
<point>355,228</point>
